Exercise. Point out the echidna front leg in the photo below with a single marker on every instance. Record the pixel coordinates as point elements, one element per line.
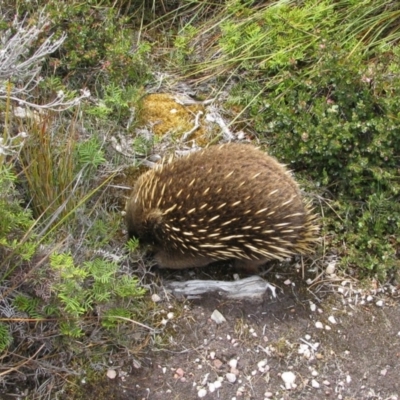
<point>248,266</point>
<point>179,261</point>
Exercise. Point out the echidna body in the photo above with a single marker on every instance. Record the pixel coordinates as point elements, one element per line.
<point>227,202</point>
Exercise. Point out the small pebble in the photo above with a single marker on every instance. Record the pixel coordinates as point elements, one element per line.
<point>156,298</point>
<point>307,337</point>
<point>111,374</point>
<point>217,384</point>
<point>314,373</point>
<point>319,325</point>
<point>369,298</point>
<point>313,307</point>
<point>379,303</point>
<point>326,383</point>
<point>233,363</point>
<point>287,282</point>
<point>268,395</point>
<point>211,387</point>
<point>332,319</point>
<point>218,318</point>
<point>170,315</point>
<point>384,372</point>
<point>289,378</point>
<point>348,378</point>
<point>314,384</point>
<point>327,328</point>
<point>231,377</point>
<point>202,393</point>
<point>330,269</point>
<point>262,363</point>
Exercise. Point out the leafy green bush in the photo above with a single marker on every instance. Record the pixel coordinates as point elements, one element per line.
<point>320,83</point>
<point>339,125</point>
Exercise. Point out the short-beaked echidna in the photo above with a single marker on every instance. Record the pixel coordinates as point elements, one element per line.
<point>226,202</point>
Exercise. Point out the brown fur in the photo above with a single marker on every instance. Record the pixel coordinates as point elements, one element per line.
<point>227,202</point>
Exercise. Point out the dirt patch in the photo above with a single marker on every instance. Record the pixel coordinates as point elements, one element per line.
<point>341,343</point>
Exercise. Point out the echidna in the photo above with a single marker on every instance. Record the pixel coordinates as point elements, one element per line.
<point>227,202</point>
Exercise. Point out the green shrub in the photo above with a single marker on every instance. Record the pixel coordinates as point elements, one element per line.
<point>339,126</point>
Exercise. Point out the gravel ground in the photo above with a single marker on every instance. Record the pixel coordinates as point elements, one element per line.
<point>330,340</point>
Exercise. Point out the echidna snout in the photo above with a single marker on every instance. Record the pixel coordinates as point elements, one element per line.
<point>226,202</point>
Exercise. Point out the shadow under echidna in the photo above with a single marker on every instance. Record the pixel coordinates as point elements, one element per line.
<point>227,202</point>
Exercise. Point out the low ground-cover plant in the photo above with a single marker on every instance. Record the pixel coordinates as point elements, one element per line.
<point>48,295</point>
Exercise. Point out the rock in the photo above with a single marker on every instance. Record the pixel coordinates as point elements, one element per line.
<point>231,377</point>
<point>233,363</point>
<point>289,378</point>
<point>314,384</point>
<point>332,319</point>
<point>156,298</point>
<point>111,373</point>
<point>217,317</point>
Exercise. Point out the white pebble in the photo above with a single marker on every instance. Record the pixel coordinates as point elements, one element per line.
<point>314,384</point>
<point>384,372</point>
<point>330,269</point>
<point>319,325</point>
<point>211,387</point>
<point>111,374</point>
<point>217,317</point>
<point>326,383</point>
<point>348,378</point>
<point>314,373</point>
<point>268,395</point>
<point>379,303</point>
<point>289,378</point>
<point>217,383</point>
<point>170,315</point>
<point>287,282</point>
<point>212,355</point>
<point>262,363</point>
<point>231,377</point>
<point>156,298</point>
<point>233,363</point>
<point>307,337</point>
<point>332,319</point>
<point>202,393</point>
<point>327,328</point>
<point>369,298</point>
<point>313,307</point>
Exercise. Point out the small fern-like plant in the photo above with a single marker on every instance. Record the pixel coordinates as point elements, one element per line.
<point>79,289</point>
<point>5,337</point>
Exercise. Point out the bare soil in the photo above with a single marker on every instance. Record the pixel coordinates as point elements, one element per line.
<point>340,342</point>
